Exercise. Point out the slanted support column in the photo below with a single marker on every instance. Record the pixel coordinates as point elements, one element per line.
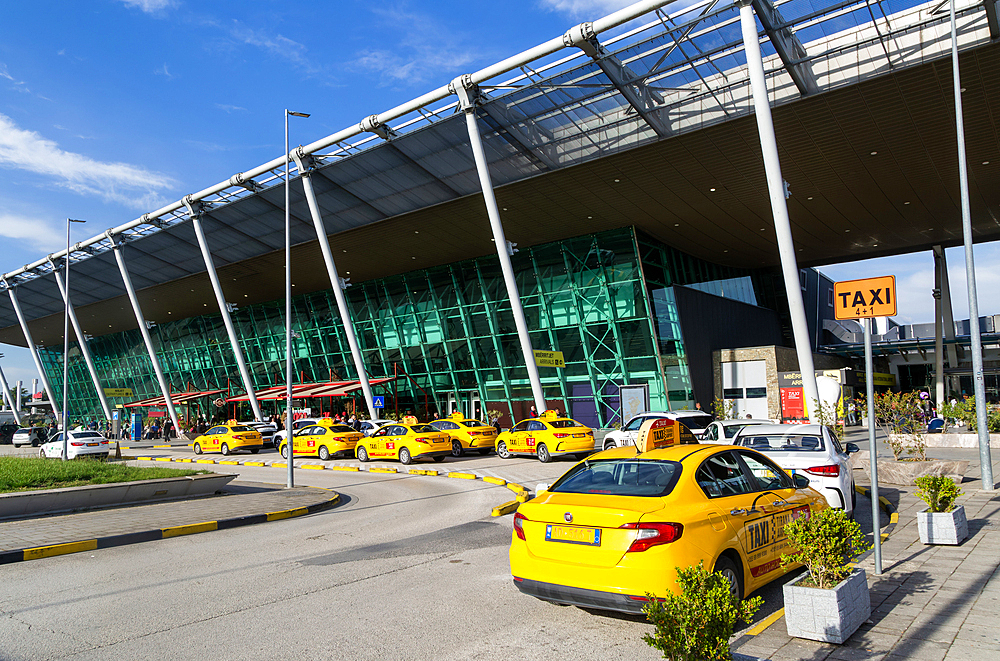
<point>938,335</point>
<point>34,351</point>
<point>948,318</point>
<point>787,45</point>
<point>468,96</point>
<point>220,298</point>
<point>779,208</point>
<point>9,399</point>
<point>143,327</point>
<point>81,340</point>
<point>337,283</point>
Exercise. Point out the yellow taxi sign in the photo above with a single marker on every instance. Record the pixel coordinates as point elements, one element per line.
<point>549,359</point>
<point>409,420</point>
<point>869,297</point>
<point>325,421</point>
<point>549,415</point>
<point>662,433</point>
<point>456,416</point>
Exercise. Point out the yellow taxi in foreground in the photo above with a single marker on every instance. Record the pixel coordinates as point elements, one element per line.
<point>466,434</point>
<point>325,439</point>
<point>406,442</point>
<point>546,436</point>
<point>228,437</point>
<point>616,526</point>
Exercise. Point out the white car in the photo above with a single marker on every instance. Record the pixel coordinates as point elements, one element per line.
<point>33,436</point>
<point>722,432</point>
<point>268,431</point>
<point>369,427</point>
<point>809,450</point>
<point>81,444</point>
<point>696,421</point>
<point>297,425</point>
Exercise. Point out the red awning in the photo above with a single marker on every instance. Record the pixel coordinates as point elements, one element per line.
<point>176,398</point>
<point>309,390</point>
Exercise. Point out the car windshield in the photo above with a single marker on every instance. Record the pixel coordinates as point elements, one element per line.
<point>732,429</point>
<point>562,424</point>
<point>783,443</point>
<point>696,421</point>
<point>422,429</point>
<point>340,428</point>
<point>242,428</point>
<point>474,423</point>
<point>620,477</point>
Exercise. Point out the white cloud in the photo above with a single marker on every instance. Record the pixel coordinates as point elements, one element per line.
<point>4,73</point>
<point>38,234</point>
<point>123,183</point>
<point>164,71</point>
<point>230,109</point>
<point>151,6</point>
<point>585,8</point>
<point>275,44</point>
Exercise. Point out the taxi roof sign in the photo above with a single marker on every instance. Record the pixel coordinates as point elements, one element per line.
<point>662,433</point>
<point>549,415</point>
<point>409,420</point>
<point>869,297</point>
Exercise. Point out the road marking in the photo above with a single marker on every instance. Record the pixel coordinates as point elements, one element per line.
<point>766,622</point>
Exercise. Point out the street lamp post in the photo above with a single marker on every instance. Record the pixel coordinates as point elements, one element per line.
<point>289,460</point>
<point>65,407</point>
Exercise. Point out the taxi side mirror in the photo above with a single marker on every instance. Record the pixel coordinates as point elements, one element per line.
<point>800,481</point>
<point>852,448</point>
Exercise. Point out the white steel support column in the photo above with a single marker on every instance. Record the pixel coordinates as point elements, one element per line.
<point>143,328</point>
<point>948,318</point>
<point>938,335</point>
<point>779,208</point>
<point>34,351</point>
<point>336,282</point>
<point>227,318</point>
<point>81,340</point>
<point>8,398</point>
<point>467,94</point>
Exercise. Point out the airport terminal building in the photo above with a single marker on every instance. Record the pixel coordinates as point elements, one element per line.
<point>622,166</point>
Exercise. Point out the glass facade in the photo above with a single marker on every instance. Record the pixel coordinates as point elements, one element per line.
<point>604,300</point>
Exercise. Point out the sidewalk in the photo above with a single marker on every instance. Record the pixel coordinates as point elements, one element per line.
<point>931,603</point>
<point>241,503</point>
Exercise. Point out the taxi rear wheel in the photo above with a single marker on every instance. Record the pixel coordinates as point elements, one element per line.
<point>404,456</point>
<point>456,449</point>
<point>362,454</point>
<point>197,448</point>
<point>284,452</point>
<point>729,572</point>
<point>225,449</point>
<point>502,451</point>
<point>610,445</point>
<point>324,453</point>
<point>543,454</point>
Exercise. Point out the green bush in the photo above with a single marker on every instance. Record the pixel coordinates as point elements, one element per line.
<point>723,409</point>
<point>825,541</point>
<point>938,491</point>
<point>965,411</point>
<point>695,625</point>
<point>902,419</point>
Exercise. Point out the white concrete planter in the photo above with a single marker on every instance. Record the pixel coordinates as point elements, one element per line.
<point>943,527</point>
<point>829,616</point>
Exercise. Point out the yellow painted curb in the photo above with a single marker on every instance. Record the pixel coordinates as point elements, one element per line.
<point>766,622</point>
<point>378,469</point>
<point>229,463</point>
<point>143,458</point>
<point>506,508</point>
<point>164,458</point>
<point>523,497</point>
<point>59,549</point>
<point>279,464</point>
<point>462,476</point>
<point>156,447</point>
<point>254,463</point>
<point>287,514</point>
<point>204,461</point>
<point>184,461</point>
<point>495,480</point>
<point>344,468</point>
<point>421,471</point>
<point>515,487</point>
<point>315,467</point>
<point>191,529</point>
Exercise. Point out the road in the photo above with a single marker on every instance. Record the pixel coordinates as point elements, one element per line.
<point>407,567</point>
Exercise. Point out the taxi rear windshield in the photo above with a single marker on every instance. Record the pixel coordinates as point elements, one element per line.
<point>562,424</point>
<point>474,423</point>
<point>783,443</point>
<point>242,428</point>
<point>341,428</point>
<point>423,429</point>
<point>620,477</point>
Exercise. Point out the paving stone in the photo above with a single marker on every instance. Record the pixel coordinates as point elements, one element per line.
<point>920,650</point>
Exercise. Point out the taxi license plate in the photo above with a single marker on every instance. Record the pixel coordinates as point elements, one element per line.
<point>92,445</point>
<point>579,436</point>
<point>573,535</point>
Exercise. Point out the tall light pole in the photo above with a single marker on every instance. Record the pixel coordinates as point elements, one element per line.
<point>289,441</point>
<point>65,407</point>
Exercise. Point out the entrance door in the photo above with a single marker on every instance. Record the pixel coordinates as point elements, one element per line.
<point>467,402</point>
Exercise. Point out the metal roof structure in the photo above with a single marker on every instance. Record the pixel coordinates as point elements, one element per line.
<point>649,127</point>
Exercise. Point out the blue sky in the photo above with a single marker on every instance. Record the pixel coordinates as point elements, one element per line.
<point>111,108</point>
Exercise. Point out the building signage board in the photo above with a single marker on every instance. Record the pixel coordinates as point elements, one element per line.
<point>118,392</point>
<point>549,359</point>
<point>870,297</point>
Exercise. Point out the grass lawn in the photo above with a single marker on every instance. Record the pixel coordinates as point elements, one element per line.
<point>34,473</point>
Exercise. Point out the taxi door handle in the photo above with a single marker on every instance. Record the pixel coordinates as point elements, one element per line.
<point>779,503</point>
<point>737,512</point>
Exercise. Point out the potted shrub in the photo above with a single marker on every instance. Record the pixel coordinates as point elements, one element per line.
<point>696,624</point>
<point>941,522</point>
<point>830,601</point>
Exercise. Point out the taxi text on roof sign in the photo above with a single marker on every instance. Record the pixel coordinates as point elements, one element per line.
<point>662,433</point>
<point>870,297</point>
<point>549,359</point>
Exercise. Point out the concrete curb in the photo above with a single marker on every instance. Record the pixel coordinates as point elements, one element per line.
<point>522,493</point>
<point>38,552</point>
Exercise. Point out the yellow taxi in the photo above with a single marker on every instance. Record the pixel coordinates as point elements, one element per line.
<point>324,439</point>
<point>466,434</point>
<point>616,526</point>
<point>228,437</point>
<point>405,441</point>
<point>546,436</point>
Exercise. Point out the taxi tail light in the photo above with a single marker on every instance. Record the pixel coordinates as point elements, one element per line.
<point>653,534</point>
<point>833,470</point>
<point>519,520</point>
<point>561,435</point>
<point>422,440</point>
<point>77,444</point>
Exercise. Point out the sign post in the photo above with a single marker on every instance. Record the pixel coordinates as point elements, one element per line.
<point>866,299</point>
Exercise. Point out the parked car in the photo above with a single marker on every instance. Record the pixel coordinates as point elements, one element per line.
<point>405,442</point>
<point>545,437</point>
<point>369,427</point>
<point>267,431</point>
<point>227,438</point>
<point>297,426</point>
<point>810,450</point>
<point>466,434</point>
<point>33,436</point>
<point>724,431</point>
<point>325,439</point>
<point>695,420</point>
<point>88,444</point>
